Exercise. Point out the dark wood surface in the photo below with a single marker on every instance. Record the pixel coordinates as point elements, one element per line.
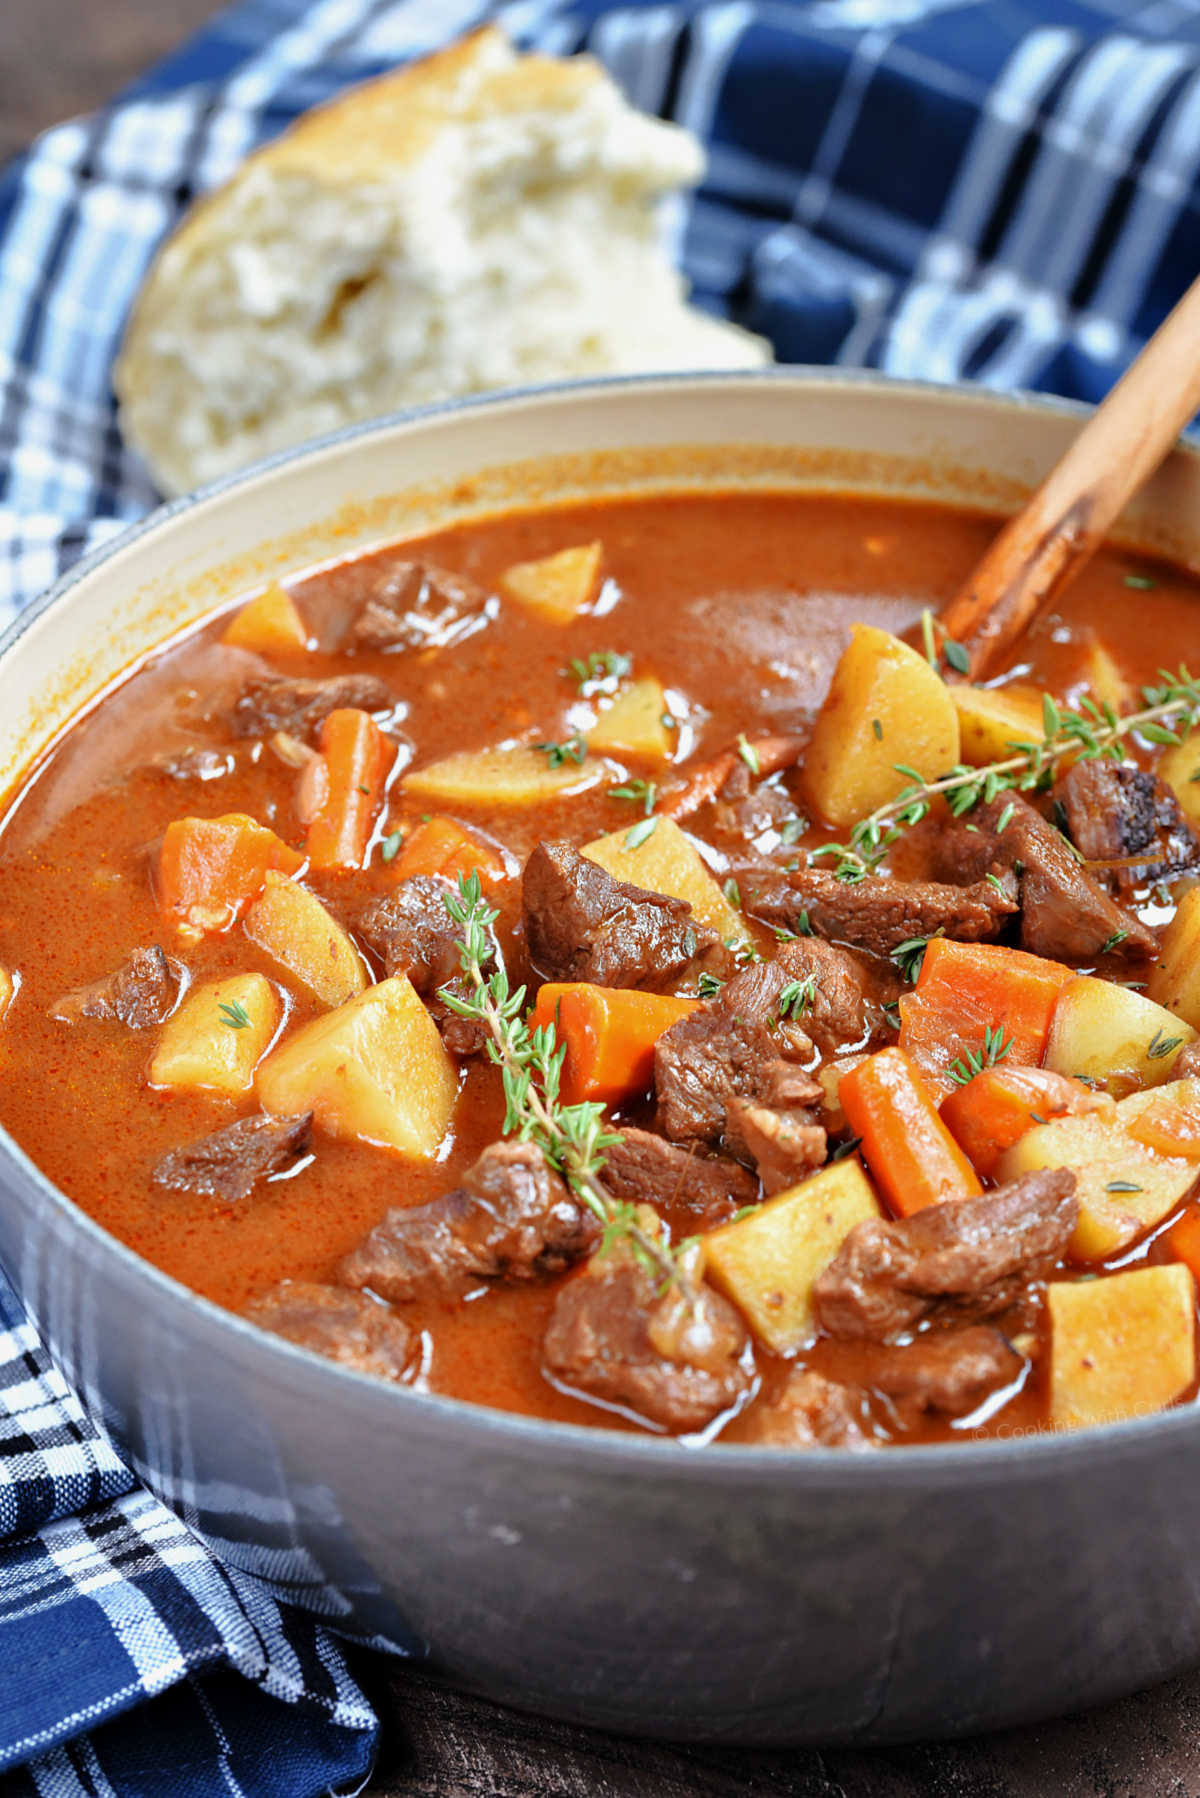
<point>439,1744</point>
<point>58,57</point>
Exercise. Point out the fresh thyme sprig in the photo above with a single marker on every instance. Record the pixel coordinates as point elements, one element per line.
<point>1095,730</point>
<point>573,1138</point>
<point>994,1049</point>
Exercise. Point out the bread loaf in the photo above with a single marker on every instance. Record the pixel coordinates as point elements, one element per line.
<point>477,220</point>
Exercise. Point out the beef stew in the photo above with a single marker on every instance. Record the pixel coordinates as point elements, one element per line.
<point>604,963</point>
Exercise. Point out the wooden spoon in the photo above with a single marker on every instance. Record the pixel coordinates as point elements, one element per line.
<point>1119,448</point>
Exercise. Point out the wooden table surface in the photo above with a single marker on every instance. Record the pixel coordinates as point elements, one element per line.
<point>58,57</point>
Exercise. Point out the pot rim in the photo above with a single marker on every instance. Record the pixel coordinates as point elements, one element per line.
<point>648,1454</point>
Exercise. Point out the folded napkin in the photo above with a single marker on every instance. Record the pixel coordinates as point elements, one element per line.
<point>952,189</point>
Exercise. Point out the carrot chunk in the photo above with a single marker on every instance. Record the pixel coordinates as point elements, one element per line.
<point>210,869</point>
<point>609,1032</point>
<point>1183,1239</point>
<point>915,1160</point>
<point>1169,1124</point>
<point>995,1109</point>
<point>357,759</point>
<point>965,989</point>
<point>440,846</point>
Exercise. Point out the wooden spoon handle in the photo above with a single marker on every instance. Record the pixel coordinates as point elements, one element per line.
<point>1121,445</point>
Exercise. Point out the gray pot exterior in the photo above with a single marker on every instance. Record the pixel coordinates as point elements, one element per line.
<point>753,1596</point>
<point>722,1595</point>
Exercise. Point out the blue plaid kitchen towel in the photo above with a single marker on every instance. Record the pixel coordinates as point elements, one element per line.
<point>999,190</point>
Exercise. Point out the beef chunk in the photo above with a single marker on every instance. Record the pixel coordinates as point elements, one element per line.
<point>413,605</point>
<point>268,703</point>
<point>1065,914</point>
<point>879,913</point>
<point>842,989</point>
<point>809,1411</point>
<point>647,1169</point>
<point>616,1335</point>
<point>143,991</point>
<point>970,1258</point>
<point>1126,820</point>
<point>412,933</point>
<point>732,1047</point>
<point>1186,1065</point>
<point>348,1327</point>
<point>951,1371</point>
<point>582,924</point>
<point>512,1219</point>
<point>784,1146</point>
<point>746,814</point>
<point>229,1164</point>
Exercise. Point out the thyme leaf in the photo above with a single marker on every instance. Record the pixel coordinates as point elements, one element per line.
<point>976,1060</point>
<point>574,749</point>
<point>797,997</point>
<point>909,955</point>
<point>748,752</point>
<point>638,792</point>
<point>602,668</point>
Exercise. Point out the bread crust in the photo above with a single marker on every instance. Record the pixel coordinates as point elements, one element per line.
<point>380,137</point>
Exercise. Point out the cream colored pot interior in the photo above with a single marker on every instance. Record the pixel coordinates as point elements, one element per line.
<point>783,430</point>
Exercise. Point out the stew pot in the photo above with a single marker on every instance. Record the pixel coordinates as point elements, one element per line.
<point>728,1594</point>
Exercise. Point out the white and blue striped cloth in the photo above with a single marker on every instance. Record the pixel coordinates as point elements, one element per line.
<point>999,190</point>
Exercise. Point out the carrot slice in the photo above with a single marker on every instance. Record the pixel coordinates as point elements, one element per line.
<point>966,988</point>
<point>996,1108</point>
<point>210,869</point>
<point>609,1032</point>
<point>440,846</point>
<point>357,759</point>
<point>915,1160</point>
<point>269,623</point>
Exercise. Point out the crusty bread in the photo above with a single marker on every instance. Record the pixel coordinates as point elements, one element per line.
<point>477,220</point>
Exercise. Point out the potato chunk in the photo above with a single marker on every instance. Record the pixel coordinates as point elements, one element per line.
<point>1180,768</point>
<point>991,721</point>
<point>216,1038</point>
<point>1175,977</point>
<point>521,776</point>
<point>768,1261</point>
<point>292,926</point>
<point>1112,1035</point>
<point>1124,1186</point>
<point>1121,1345</point>
<point>8,988</point>
<point>1104,681</point>
<point>269,623</point>
<point>374,1070</point>
<point>666,862</point>
<point>556,588</point>
<point>885,705</point>
<point>633,723</point>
